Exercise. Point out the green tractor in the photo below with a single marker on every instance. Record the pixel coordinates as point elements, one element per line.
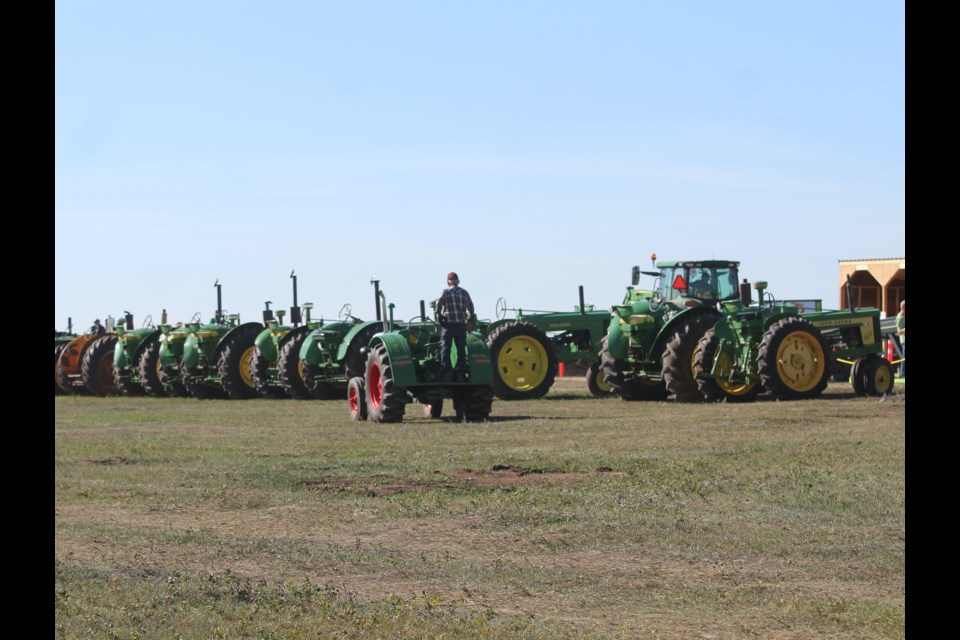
<point>269,343</point>
<point>648,351</point>
<point>403,366</point>
<point>132,375</point>
<point>165,358</point>
<point>217,356</point>
<point>781,348</point>
<point>528,347</point>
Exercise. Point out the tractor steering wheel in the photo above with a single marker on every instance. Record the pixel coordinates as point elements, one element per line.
<point>421,330</point>
<point>501,308</point>
<point>147,322</point>
<point>344,314</point>
<point>196,317</point>
<point>656,300</point>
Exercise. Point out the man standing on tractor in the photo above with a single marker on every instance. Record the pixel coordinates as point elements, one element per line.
<point>454,310</point>
<point>97,328</point>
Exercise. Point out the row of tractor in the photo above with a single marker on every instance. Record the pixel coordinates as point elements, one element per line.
<point>695,335</point>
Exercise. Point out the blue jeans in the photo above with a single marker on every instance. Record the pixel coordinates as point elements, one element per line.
<point>456,334</point>
<point>903,354</point>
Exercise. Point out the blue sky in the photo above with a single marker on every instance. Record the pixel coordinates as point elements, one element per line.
<point>533,147</point>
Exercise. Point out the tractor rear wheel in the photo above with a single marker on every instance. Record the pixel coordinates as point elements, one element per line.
<point>877,375</point>
<point>627,389</point>
<point>857,381</point>
<point>290,368</point>
<point>357,399</point>
<point>235,366</point>
<point>794,360</point>
<point>97,368</point>
<point>385,403</point>
<point>473,404</point>
<point>719,389</point>
<point>678,357</point>
<point>149,369</point>
<point>57,389</point>
<point>524,360</point>
<point>595,382</point>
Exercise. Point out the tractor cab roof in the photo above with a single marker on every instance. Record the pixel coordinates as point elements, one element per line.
<point>697,263</point>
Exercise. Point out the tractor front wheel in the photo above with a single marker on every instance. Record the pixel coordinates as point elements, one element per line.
<point>708,357</point>
<point>357,399</point>
<point>385,403</point>
<point>473,404</point>
<point>595,380</point>
<point>793,359</point>
<point>260,373</point>
<point>877,376</point>
<point>524,359</point>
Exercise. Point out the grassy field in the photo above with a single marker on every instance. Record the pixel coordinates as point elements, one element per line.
<point>565,517</point>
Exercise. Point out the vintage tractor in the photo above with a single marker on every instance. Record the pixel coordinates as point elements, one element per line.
<point>403,366</point>
<point>85,364</point>
<point>647,353</point>
<point>60,341</point>
<point>217,356</point>
<point>790,352</point>
<point>133,346</point>
<point>527,348</point>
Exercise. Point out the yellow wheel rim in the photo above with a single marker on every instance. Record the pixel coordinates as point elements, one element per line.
<point>601,383</point>
<point>882,379</point>
<point>800,361</point>
<point>246,367</point>
<point>723,368</point>
<point>522,363</point>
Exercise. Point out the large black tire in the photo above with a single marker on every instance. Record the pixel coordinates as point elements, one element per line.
<point>713,389</point>
<point>677,359</point>
<point>236,363</point>
<point>877,375</point>
<point>595,380</point>
<point>57,389</point>
<point>354,363</point>
<point>385,402</point>
<point>260,373</point>
<point>148,366</point>
<point>356,399</point>
<point>627,389</point>
<point>794,360</point>
<point>473,404</point>
<point>857,379</point>
<point>524,361</point>
<point>200,390</point>
<point>97,367</point>
<point>290,367</point>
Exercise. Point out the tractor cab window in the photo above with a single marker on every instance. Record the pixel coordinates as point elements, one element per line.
<point>705,283</point>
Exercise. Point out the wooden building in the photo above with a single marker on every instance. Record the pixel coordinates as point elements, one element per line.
<point>875,282</point>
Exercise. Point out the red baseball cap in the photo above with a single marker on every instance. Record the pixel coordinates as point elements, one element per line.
<point>452,276</point>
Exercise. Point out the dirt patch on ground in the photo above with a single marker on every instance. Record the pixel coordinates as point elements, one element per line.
<point>502,477</point>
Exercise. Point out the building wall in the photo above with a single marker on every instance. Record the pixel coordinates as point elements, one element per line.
<point>877,283</point>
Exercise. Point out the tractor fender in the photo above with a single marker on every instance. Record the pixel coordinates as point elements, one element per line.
<point>666,332</point>
<point>223,339</point>
<point>479,362</point>
<point>172,346</point>
<point>266,344</point>
<point>311,351</point>
<point>402,366</point>
<point>617,342</point>
<point>350,335</point>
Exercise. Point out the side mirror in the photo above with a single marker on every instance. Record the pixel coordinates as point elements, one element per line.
<point>635,275</point>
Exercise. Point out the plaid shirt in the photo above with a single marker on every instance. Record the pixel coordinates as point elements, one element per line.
<point>455,305</point>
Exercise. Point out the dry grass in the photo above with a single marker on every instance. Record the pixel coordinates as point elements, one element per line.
<point>569,516</point>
